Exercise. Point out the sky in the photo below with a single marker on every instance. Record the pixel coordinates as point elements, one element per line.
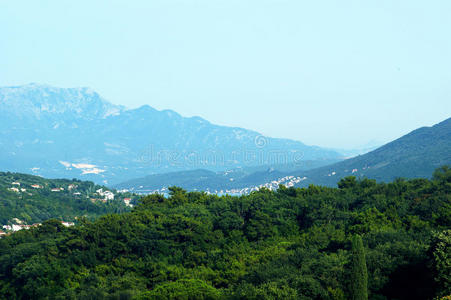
<point>336,74</point>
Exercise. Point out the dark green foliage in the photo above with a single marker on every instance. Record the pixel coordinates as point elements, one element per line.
<point>189,289</point>
<point>289,244</point>
<point>359,273</point>
<point>441,252</point>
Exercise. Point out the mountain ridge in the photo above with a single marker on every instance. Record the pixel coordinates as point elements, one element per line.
<point>414,155</point>
<point>235,181</point>
<point>41,126</point>
<point>45,100</point>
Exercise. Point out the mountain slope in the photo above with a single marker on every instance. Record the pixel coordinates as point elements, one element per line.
<point>415,155</point>
<point>239,180</point>
<point>35,199</point>
<point>70,133</point>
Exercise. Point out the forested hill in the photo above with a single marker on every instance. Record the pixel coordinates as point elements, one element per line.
<point>415,155</point>
<point>290,244</point>
<point>33,199</point>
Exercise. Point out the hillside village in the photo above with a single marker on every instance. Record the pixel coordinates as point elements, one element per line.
<point>24,192</point>
<point>101,194</point>
<point>287,181</point>
<point>18,225</point>
<point>98,194</point>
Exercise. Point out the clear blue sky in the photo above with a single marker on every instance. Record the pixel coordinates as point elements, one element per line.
<point>330,73</point>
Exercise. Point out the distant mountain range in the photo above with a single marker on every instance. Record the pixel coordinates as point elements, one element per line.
<point>234,180</point>
<point>75,133</point>
<point>415,155</point>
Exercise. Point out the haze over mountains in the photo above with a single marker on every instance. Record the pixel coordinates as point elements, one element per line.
<point>234,181</point>
<point>415,155</point>
<point>74,132</point>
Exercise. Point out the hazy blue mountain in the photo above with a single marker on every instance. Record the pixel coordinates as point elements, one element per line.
<point>74,132</point>
<point>415,155</point>
<point>360,150</point>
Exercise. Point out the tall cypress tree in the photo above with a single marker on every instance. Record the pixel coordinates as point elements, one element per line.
<point>359,273</point>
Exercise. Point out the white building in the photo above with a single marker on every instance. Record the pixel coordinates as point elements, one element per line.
<point>108,195</point>
<point>20,227</point>
<point>68,224</point>
<point>127,202</point>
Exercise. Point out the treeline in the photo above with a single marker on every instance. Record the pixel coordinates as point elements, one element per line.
<point>360,240</point>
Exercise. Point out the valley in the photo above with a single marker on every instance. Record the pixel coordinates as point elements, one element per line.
<point>225,150</point>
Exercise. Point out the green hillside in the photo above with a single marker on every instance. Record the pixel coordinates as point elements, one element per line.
<point>68,200</point>
<point>384,240</point>
<point>415,155</point>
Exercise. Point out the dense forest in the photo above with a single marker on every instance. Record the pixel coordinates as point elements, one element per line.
<point>361,240</point>
<point>34,199</point>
